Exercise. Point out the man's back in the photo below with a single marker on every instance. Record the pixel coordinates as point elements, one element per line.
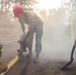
<point>32,17</point>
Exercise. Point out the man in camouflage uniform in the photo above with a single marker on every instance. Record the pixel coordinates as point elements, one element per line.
<point>35,25</point>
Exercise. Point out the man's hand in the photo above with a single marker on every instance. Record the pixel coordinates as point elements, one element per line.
<point>22,38</point>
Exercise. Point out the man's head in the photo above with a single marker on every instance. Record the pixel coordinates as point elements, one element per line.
<point>18,10</point>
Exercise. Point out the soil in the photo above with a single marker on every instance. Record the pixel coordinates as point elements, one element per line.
<point>47,67</point>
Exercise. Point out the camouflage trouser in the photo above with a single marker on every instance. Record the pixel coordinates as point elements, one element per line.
<point>39,33</point>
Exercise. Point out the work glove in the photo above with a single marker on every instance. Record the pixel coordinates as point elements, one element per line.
<point>22,39</point>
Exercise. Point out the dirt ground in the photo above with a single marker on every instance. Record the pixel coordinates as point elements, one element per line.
<point>47,67</point>
<point>9,35</point>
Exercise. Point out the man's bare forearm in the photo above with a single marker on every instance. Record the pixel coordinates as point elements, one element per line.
<point>23,28</point>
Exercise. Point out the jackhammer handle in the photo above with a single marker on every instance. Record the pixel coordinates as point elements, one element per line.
<point>75,42</point>
<point>73,49</point>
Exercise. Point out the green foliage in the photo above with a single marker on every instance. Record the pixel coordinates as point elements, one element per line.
<point>27,3</point>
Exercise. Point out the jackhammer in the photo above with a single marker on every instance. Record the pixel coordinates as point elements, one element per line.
<point>23,46</point>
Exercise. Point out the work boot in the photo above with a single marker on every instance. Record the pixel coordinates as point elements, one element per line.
<point>3,68</point>
<point>36,58</point>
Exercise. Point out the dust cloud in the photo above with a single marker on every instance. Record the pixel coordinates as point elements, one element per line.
<point>57,40</point>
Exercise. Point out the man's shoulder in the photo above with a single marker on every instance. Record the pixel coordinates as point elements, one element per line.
<point>30,12</point>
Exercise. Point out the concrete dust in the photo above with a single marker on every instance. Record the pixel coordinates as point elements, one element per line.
<point>57,44</point>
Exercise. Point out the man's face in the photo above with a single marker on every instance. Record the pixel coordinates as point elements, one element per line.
<point>17,14</point>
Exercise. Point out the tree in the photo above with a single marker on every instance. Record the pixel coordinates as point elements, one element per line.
<point>26,3</point>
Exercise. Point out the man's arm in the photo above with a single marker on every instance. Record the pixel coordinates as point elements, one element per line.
<point>30,31</point>
<point>22,26</point>
<point>30,25</point>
